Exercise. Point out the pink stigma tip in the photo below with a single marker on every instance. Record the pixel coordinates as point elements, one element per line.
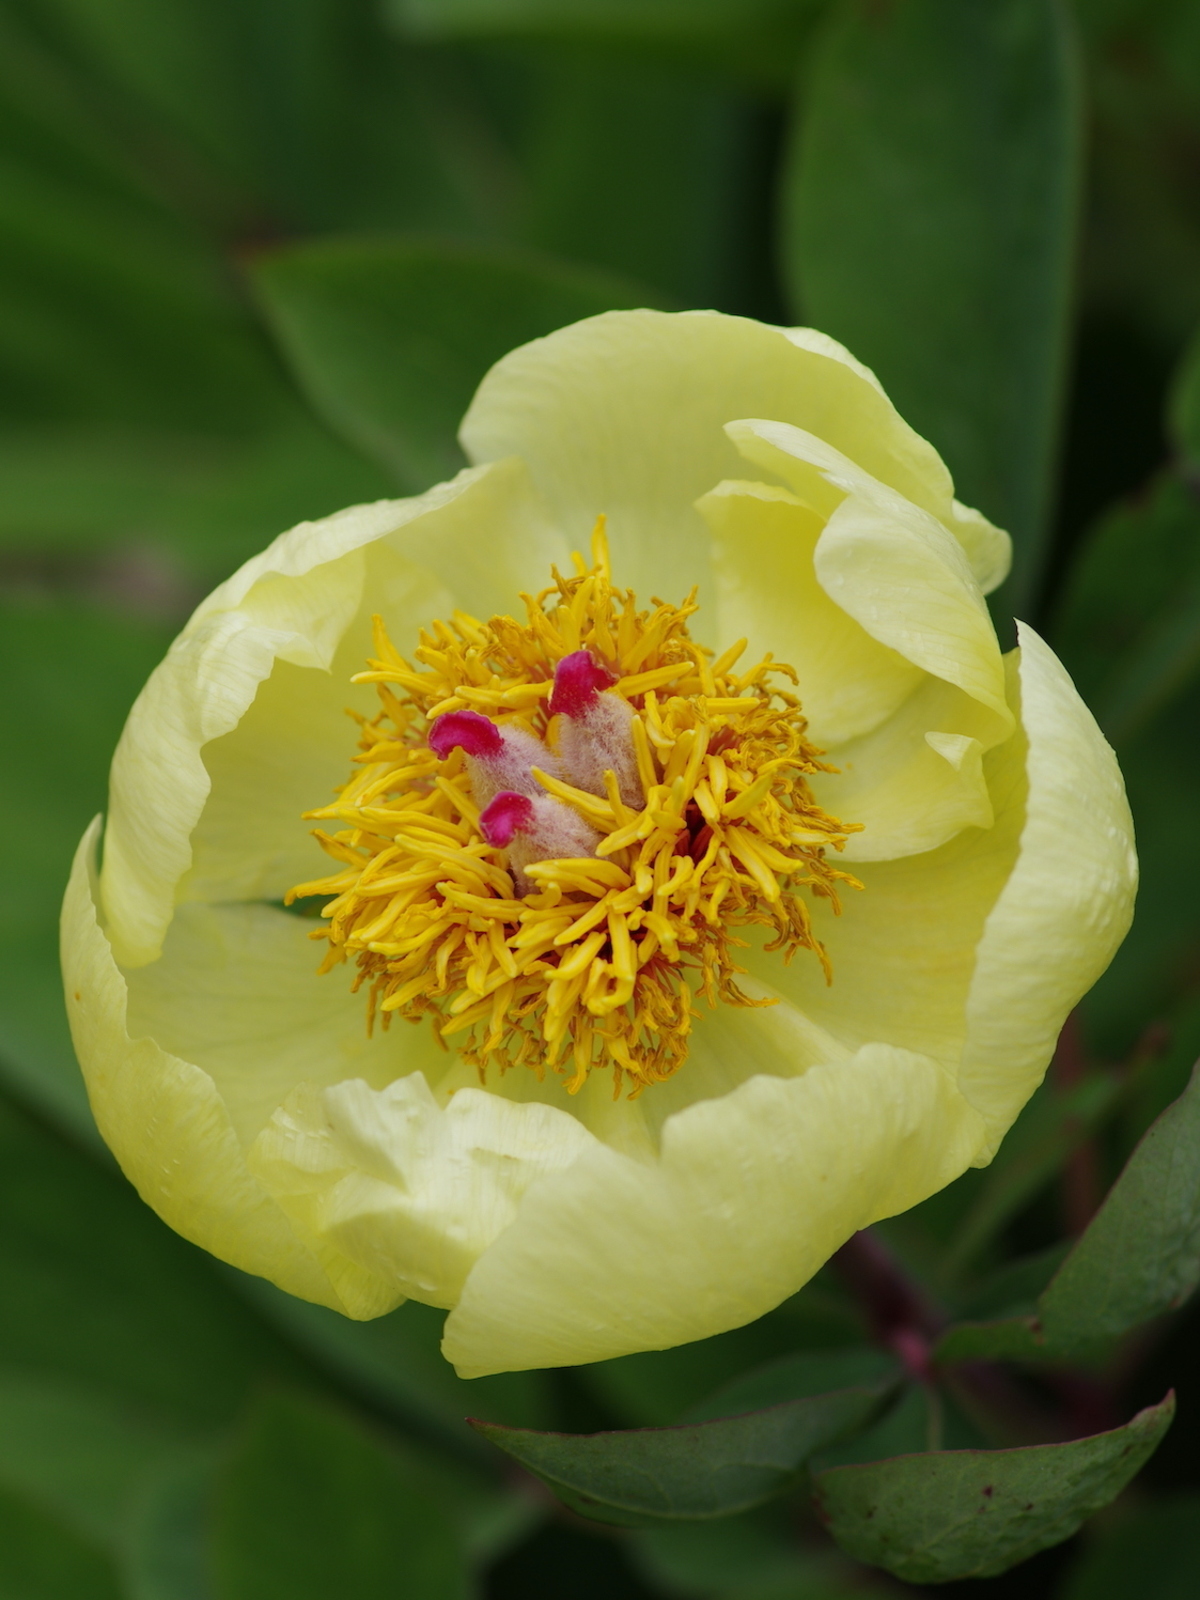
<point>466,730</point>
<point>578,678</point>
<point>505,814</point>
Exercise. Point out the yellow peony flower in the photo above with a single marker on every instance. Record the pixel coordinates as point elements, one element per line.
<point>693,895</point>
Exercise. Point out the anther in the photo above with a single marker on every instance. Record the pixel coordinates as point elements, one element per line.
<point>497,757</point>
<point>593,732</point>
<point>536,828</point>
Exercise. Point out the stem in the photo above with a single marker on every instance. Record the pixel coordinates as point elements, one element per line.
<point>1082,1185</point>
<point>900,1314</point>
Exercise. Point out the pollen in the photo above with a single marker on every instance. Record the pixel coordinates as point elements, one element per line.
<point>559,829</point>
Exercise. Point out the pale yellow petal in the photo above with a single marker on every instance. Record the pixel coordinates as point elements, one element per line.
<point>889,564</point>
<point>916,780</point>
<point>751,1195</point>
<point>764,540</point>
<point>903,948</point>
<point>623,414</point>
<point>306,603</point>
<point>165,1122</point>
<point>1066,905</point>
<point>236,991</point>
<point>412,1190</point>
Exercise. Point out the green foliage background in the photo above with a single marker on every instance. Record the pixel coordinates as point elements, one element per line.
<point>254,257</point>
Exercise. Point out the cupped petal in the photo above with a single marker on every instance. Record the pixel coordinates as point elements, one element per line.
<point>764,540</point>
<point>411,1189</point>
<point>902,952</point>
<point>623,414</point>
<point>236,992</point>
<point>171,1132</point>
<point>1066,905</point>
<point>751,1194</point>
<point>888,563</point>
<point>297,620</point>
<point>917,780</point>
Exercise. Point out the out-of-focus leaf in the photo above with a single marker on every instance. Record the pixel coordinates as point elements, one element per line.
<point>656,1387</point>
<point>973,1513</point>
<point>754,1556</point>
<point>1152,1552</point>
<point>396,1361</point>
<point>1184,406</point>
<point>390,338</point>
<point>754,40</point>
<point>42,1559</point>
<point>82,1456</point>
<point>1128,625</point>
<point>930,202</point>
<point>312,1507</point>
<point>72,673</point>
<point>1051,1126</point>
<point>706,1469</point>
<point>1015,1287</point>
<point>646,171</point>
<point>795,1377</point>
<point>103,1295</point>
<point>1138,1257</point>
<point>166,1554</point>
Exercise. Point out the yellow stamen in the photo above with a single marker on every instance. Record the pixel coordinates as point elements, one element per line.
<point>601,963</point>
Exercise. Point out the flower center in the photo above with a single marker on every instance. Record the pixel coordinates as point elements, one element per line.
<point>556,828</point>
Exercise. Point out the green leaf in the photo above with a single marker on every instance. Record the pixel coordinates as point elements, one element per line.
<point>1140,1254</point>
<point>389,338</point>
<point>754,1556</point>
<point>1184,405</point>
<point>396,1362</point>
<point>78,672</point>
<point>103,1296</point>
<point>1128,625</point>
<point>312,1507</point>
<point>1152,1552</point>
<point>974,1513</point>
<point>796,1377</point>
<point>166,1553</point>
<point>82,1455</point>
<point>930,199</point>
<point>41,1559</point>
<point>706,1469</point>
<point>1138,1258</point>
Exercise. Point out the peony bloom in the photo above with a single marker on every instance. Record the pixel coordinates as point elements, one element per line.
<point>686,895</point>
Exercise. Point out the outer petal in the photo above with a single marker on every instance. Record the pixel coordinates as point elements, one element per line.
<point>623,414</point>
<point>298,615</point>
<point>412,1190</point>
<point>165,1122</point>
<point>890,565</point>
<point>764,541</point>
<point>1067,904</point>
<point>751,1194</point>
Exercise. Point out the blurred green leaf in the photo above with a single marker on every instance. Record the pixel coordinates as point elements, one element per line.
<point>973,1513</point>
<point>1128,624</point>
<point>395,1362</point>
<point>1052,1125</point>
<point>103,1295</point>
<point>73,672</point>
<point>656,1387</point>
<point>389,338</point>
<point>41,1559</point>
<point>166,1554</point>
<point>1153,1552</point>
<point>312,1507</point>
<point>706,1469</point>
<point>754,1556</point>
<point>81,1455</point>
<point>796,1377</point>
<point>1138,1258</point>
<point>1184,406</point>
<point>1140,1255</point>
<point>930,206</point>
